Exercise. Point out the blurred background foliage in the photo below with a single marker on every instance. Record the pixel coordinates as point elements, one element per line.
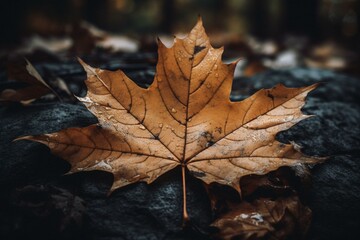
<point>317,19</point>
<point>267,34</point>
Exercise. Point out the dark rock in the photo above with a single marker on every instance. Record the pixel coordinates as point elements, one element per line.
<point>45,212</point>
<point>141,211</point>
<point>24,161</point>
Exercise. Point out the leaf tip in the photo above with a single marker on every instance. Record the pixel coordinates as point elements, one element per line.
<point>199,26</point>
<point>314,86</point>
<point>27,61</point>
<point>159,42</point>
<point>321,159</point>
<point>234,63</point>
<point>81,62</point>
<point>69,172</point>
<point>81,99</point>
<point>112,189</point>
<point>88,69</point>
<point>236,186</point>
<point>199,19</point>
<point>23,138</point>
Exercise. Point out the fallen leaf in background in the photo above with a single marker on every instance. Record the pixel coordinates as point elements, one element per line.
<point>279,183</point>
<point>36,88</point>
<point>283,218</point>
<point>276,182</point>
<point>253,67</point>
<point>79,38</point>
<point>53,207</point>
<point>267,48</point>
<point>52,44</point>
<point>286,59</point>
<point>331,56</point>
<point>87,37</point>
<point>185,118</point>
<point>118,43</point>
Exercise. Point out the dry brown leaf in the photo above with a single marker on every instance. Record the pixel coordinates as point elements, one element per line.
<point>87,37</point>
<point>185,118</point>
<point>253,67</point>
<point>284,218</point>
<point>36,88</point>
<point>280,182</point>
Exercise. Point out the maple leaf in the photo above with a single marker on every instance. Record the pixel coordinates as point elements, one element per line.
<point>185,118</point>
<point>36,88</point>
<point>265,219</point>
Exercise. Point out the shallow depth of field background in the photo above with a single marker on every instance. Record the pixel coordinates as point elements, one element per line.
<point>316,19</point>
<point>271,33</point>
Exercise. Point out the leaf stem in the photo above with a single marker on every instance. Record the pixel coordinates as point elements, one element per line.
<point>185,214</point>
